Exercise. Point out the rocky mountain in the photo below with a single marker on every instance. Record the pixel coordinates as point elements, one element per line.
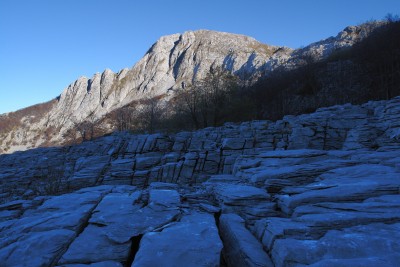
<point>320,189</point>
<point>174,61</point>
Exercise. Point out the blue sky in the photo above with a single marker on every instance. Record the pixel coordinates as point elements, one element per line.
<point>47,44</point>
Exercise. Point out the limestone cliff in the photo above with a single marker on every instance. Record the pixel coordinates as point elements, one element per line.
<point>174,61</point>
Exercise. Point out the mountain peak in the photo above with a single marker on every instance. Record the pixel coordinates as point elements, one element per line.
<point>173,62</point>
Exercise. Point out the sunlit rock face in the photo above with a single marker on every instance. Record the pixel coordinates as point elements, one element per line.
<point>320,189</point>
<point>173,62</point>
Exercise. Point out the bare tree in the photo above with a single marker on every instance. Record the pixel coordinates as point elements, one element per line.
<point>216,92</point>
<point>125,118</point>
<point>85,130</point>
<point>206,100</point>
<point>150,114</point>
<point>188,102</point>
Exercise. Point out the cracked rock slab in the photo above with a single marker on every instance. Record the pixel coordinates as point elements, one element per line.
<point>194,241</point>
<point>36,249</point>
<point>241,248</point>
<point>366,244</point>
<point>108,236</point>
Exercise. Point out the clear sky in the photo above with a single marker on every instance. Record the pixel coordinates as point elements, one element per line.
<point>47,44</point>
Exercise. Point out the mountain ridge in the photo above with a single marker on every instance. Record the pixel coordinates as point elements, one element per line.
<point>174,61</point>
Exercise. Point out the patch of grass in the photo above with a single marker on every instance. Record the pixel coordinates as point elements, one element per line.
<point>262,48</point>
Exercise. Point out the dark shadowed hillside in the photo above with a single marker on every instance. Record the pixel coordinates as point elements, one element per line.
<point>369,70</point>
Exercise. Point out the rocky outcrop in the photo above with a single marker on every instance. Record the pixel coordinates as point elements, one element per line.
<point>190,158</point>
<point>306,190</point>
<point>173,62</point>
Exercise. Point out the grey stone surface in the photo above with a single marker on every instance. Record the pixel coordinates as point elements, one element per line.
<point>354,183</point>
<point>44,232</point>
<point>355,244</point>
<point>250,202</point>
<point>305,205</point>
<point>141,159</point>
<point>36,248</point>
<point>118,218</point>
<point>87,171</point>
<point>241,248</point>
<point>120,172</point>
<point>193,241</point>
<point>164,197</point>
<point>94,245</point>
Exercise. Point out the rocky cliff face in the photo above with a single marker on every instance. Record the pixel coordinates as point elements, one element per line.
<point>172,62</point>
<point>320,189</point>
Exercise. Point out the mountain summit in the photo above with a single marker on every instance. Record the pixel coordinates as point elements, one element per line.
<point>173,62</point>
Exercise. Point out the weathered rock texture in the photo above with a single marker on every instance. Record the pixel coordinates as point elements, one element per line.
<point>173,62</point>
<point>321,189</point>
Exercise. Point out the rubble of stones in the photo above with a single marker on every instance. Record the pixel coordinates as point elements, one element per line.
<point>321,189</point>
